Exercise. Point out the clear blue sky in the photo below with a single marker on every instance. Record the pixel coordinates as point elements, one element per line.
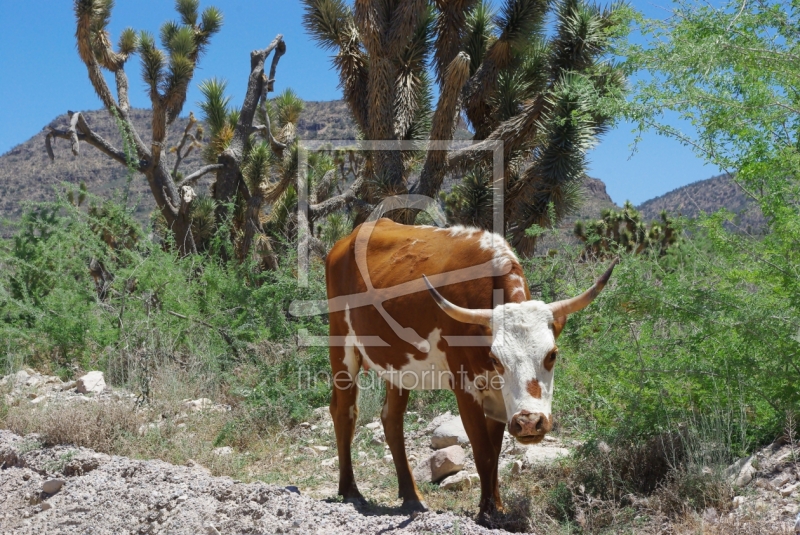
<point>41,77</point>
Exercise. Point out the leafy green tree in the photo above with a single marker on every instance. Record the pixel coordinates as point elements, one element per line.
<point>732,71</point>
<point>541,96</point>
<point>727,313</point>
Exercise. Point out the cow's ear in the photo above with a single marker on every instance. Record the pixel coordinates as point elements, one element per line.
<point>558,325</point>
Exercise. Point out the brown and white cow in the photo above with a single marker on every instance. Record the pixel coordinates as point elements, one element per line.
<point>486,340</point>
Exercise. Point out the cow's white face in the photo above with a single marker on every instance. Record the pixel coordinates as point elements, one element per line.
<point>524,353</point>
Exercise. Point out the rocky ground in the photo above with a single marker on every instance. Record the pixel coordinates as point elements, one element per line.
<point>67,489</point>
<point>74,490</point>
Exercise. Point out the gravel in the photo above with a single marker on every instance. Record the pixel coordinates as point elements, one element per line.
<point>114,495</point>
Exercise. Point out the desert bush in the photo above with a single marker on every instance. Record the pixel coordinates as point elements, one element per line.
<point>102,427</point>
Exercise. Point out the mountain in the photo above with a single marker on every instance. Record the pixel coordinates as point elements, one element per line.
<point>707,196</point>
<point>27,174</point>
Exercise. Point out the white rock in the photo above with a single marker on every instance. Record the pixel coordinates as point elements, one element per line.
<point>441,464</point>
<point>52,486</point>
<point>780,480</point>
<point>224,450</point>
<point>388,459</point>
<point>91,382</point>
<point>327,463</point>
<point>738,501</point>
<point>202,404</point>
<point>516,467</point>
<point>790,489</point>
<point>33,381</point>
<point>21,377</point>
<point>544,454</point>
<point>45,506</point>
<point>439,420</point>
<point>449,433</point>
<point>457,481</point>
<point>475,479</point>
<point>321,413</point>
<point>378,437</point>
<point>373,425</point>
<point>320,449</point>
<point>745,476</point>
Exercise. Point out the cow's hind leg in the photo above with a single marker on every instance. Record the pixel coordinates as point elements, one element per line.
<point>394,407</point>
<point>344,411</point>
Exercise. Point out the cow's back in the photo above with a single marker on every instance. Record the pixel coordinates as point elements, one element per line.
<point>396,254</point>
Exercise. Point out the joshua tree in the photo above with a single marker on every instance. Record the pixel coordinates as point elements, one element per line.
<point>167,74</point>
<point>541,97</point>
<point>625,230</point>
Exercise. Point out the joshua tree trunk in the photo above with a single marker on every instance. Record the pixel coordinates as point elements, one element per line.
<point>229,175</point>
<point>168,78</point>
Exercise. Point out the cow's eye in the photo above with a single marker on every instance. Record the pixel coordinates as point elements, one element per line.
<point>494,359</point>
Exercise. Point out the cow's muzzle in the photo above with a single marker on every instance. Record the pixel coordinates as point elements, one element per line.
<point>530,427</point>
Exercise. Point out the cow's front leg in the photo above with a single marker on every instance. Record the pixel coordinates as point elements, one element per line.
<point>483,450</point>
<point>496,430</point>
<point>394,407</point>
<point>344,411</point>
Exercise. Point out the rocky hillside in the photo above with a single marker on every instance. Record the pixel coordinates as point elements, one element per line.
<point>27,174</point>
<point>707,196</point>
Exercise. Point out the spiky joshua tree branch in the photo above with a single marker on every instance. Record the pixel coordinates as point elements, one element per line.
<point>544,97</point>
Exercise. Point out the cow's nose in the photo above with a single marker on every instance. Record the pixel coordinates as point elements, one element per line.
<point>526,423</point>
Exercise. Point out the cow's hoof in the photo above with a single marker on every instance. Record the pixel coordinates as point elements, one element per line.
<point>414,506</point>
<point>356,499</point>
<point>486,519</point>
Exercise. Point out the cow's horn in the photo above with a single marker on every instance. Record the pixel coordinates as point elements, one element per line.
<point>568,306</point>
<point>464,315</point>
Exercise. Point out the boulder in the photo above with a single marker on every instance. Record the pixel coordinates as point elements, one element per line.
<point>516,467</point>
<point>322,414</point>
<point>741,472</point>
<point>448,434</point>
<point>440,464</point>
<point>52,486</point>
<point>457,481</point>
<point>202,404</point>
<point>544,454</point>
<point>378,437</point>
<point>439,420</point>
<point>92,382</point>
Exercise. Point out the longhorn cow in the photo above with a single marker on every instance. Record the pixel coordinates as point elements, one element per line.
<point>479,334</point>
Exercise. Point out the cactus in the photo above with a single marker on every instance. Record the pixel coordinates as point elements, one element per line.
<point>625,230</point>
